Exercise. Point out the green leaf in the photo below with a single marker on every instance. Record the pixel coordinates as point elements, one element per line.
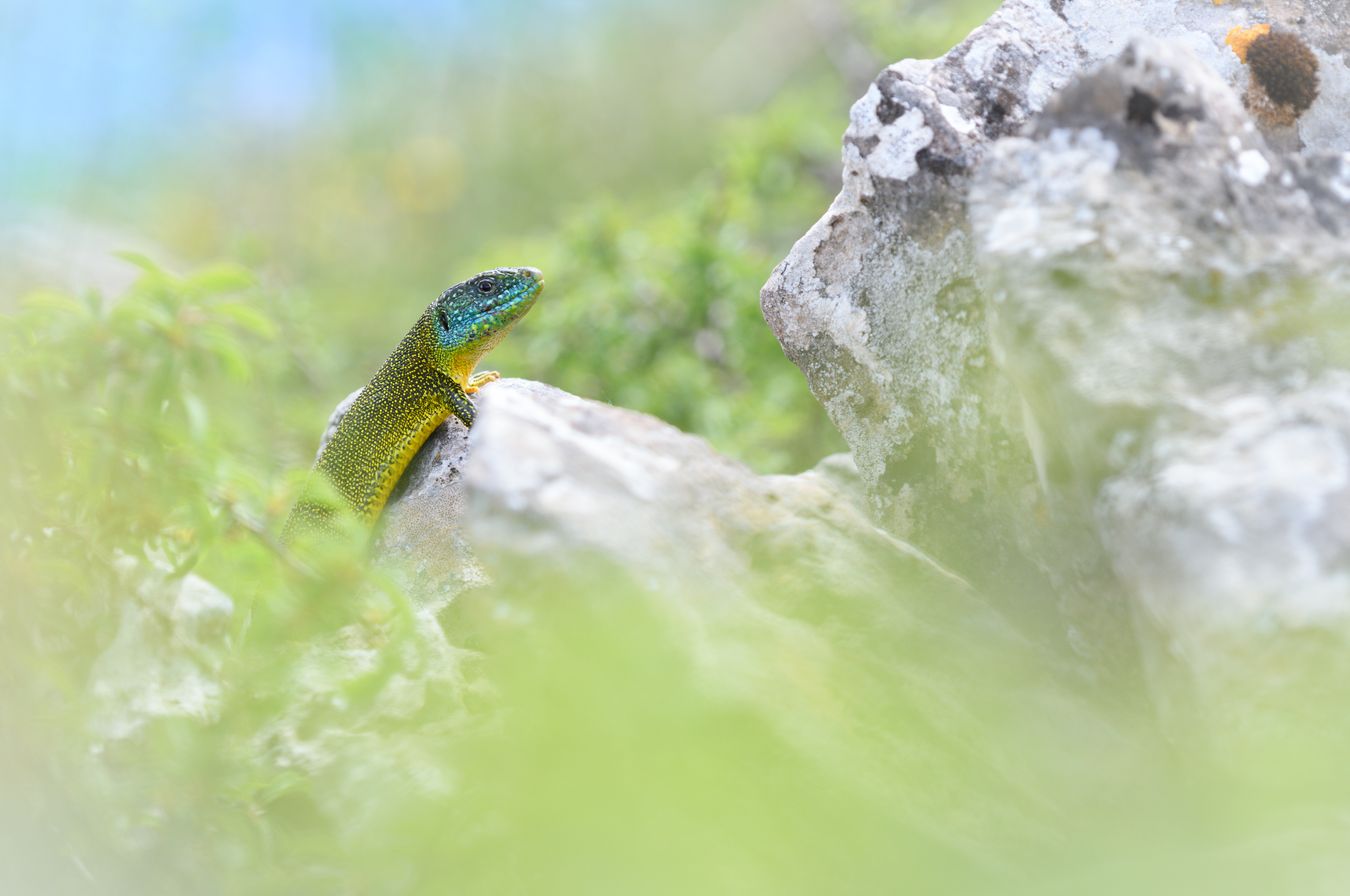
<point>247,317</point>
<point>143,262</point>
<point>49,300</point>
<point>219,280</point>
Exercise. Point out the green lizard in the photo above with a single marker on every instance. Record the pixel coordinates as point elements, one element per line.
<point>429,376</point>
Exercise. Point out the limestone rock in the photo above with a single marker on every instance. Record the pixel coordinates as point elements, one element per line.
<point>777,593</point>
<point>1178,351</point>
<point>548,475</point>
<point>881,304</point>
<point>1077,309</point>
<point>166,658</point>
<point>549,491</point>
<point>591,527</point>
<point>887,304</point>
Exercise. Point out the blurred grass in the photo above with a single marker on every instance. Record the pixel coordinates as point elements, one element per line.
<point>548,733</point>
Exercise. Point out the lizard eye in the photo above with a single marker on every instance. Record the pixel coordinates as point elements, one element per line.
<point>486,285</point>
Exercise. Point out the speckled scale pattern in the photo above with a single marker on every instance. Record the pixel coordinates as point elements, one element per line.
<point>428,377</point>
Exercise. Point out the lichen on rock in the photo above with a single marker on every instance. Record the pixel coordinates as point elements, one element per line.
<point>1094,242</point>
<point>1164,342</point>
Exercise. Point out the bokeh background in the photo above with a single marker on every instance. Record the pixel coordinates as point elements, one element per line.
<point>216,218</point>
<point>355,157</point>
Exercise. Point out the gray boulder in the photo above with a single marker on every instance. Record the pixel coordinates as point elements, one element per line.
<point>1177,352</point>
<point>172,640</point>
<point>775,594</point>
<point>880,303</point>
<point>565,480</point>
<point>1075,310</point>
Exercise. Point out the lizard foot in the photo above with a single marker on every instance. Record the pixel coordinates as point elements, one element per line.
<point>478,380</point>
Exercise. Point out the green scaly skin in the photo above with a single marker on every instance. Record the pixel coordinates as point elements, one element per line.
<point>429,376</point>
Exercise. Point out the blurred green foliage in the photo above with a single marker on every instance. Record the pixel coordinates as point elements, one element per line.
<point>661,314</point>
<point>651,303</point>
<point>121,431</point>
<point>646,219</point>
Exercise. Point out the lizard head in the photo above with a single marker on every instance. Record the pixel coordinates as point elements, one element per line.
<point>471,317</point>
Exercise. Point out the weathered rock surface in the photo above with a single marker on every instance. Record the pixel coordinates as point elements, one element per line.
<point>1072,307</point>
<point>778,593</point>
<point>555,475</point>
<point>554,490</point>
<point>1175,349</point>
<point>879,303</point>
<point>548,475</point>
<point>166,658</point>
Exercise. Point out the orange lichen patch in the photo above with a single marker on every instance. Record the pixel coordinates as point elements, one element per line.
<point>1241,38</point>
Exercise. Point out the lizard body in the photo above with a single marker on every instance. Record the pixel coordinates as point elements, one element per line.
<point>429,376</point>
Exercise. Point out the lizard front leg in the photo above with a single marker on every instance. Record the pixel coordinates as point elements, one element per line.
<point>459,403</point>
